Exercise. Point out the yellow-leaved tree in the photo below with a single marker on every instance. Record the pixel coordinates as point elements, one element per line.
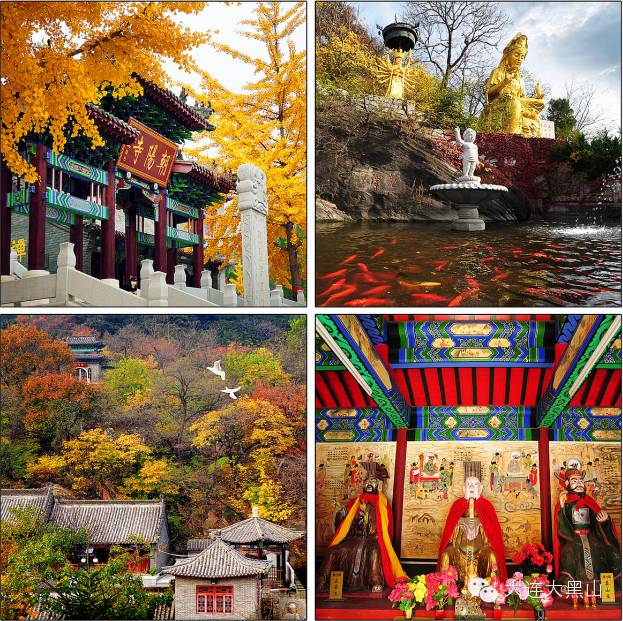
<point>265,124</point>
<point>59,56</point>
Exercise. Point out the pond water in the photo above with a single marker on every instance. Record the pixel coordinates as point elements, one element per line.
<point>534,263</point>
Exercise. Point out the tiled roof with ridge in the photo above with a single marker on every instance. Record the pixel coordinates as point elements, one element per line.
<point>114,521</point>
<point>255,529</point>
<point>40,499</point>
<point>218,560</point>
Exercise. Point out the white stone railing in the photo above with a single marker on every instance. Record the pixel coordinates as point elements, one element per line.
<point>16,268</point>
<point>71,287</point>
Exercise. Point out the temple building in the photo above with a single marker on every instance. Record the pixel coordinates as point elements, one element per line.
<point>134,198</point>
<point>507,415</point>
<point>90,362</point>
<point>108,523</point>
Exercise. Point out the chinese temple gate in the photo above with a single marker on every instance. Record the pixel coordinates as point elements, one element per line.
<point>134,198</point>
<point>408,399</point>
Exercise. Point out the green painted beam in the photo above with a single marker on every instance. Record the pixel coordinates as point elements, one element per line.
<point>586,355</point>
<point>386,395</point>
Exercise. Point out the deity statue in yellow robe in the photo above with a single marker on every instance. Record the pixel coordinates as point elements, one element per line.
<point>507,109</point>
<point>395,73</point>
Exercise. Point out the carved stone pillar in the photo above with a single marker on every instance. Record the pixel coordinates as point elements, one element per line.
<point>253,207</point>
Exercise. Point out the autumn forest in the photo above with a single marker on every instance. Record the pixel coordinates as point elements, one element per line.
<point>159,423</point>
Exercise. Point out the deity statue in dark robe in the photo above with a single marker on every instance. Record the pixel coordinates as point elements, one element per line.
<point>363,530</point>
<point>586,542</point>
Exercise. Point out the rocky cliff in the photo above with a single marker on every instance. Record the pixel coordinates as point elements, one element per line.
<point>373,165</point>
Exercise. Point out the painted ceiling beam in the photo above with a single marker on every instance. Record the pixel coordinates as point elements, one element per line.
<point>591,338</point>
<point>346,337</point>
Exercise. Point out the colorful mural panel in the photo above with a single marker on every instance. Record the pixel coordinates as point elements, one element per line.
<point>341,469</point>
<point>589,424</point>
<point>505,343</point>
<point>434,480</point>
<point>601,464</point>
<point>326,360</point>
<point>475,422</point>
<point>352,425</point>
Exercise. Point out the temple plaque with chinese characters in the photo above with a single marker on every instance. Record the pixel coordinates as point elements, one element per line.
<point>150,157</point>
<point>601,464</point>
<point>341,469</point>
<point>434,480</point>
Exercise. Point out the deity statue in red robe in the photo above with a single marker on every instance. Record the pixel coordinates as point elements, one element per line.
<point>586,542</point>
<point>472,538</point>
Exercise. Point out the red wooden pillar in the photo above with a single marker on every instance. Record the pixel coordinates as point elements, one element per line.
<point>198,252</point>
<point>399,485</point>
<point>36,218</point>
<point>76,237</point>
<point>160,258</point>
<point>5,219</point>
<point>130,245</point>
<point>171,262</point>
<point>107,263</point>
<point>544,488</point>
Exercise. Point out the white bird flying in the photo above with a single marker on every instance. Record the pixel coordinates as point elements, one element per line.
<point>231,391</point>
<point>217,369</point>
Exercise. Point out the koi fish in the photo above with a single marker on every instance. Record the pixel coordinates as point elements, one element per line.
<point>342,294</point>
<point>439,266</point>
<point>393,241</point>
<point>334,274</point>
<point>500,276</point>
<point>487,260</point>
<point>333,286</point>
<point>366,302</point>
<point>376,290</point>
<point>428,284</point>
<point>540,255</point>
<point>363,267</point>
<point>348,259</point>
<point>378,253</point>
<point>472,283</point>
<point>468,293</point>
<point>429,297</point>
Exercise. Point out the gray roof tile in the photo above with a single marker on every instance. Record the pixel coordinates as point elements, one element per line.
<point>255,529</point>
<point>113,521</point>
<point>218,560</point>
<point>38,499</point>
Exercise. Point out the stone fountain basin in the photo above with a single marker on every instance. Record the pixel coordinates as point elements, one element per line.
<point>467,193</point>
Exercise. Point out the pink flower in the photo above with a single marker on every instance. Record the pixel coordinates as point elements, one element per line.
<point>549,569</point>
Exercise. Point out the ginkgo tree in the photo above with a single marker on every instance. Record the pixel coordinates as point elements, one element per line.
<point>59,56</point>
<point>264,124</point>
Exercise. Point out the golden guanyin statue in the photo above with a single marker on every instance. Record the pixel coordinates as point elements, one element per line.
<point>395,73</point>
<point>507,109</point>
<point>472,538</point>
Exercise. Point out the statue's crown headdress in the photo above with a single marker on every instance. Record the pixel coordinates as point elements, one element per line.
<point>518,41</point>
<point>472,469</point>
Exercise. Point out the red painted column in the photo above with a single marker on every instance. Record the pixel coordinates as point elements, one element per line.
<point>198,252</point>
<point>160,258</point>
<point>131,261</point>
<point>5,219</point>
<point>171,262</point>
<point>544,488</point>
<point>107,263</point>
<point>36,218</point>
<point>76,237</point>
<point>399,485</point>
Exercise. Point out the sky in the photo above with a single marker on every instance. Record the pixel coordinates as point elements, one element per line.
<point>568,42</point>
<point>223,20</point>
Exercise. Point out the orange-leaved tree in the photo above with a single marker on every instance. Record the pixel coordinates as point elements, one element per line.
<point>265,124</point>
<point>59,56</point>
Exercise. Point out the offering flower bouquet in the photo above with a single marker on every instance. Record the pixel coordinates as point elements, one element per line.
<point>408,592</point>
<point>442,588</point>
<point>533,558</point>
<point>534,590</point>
